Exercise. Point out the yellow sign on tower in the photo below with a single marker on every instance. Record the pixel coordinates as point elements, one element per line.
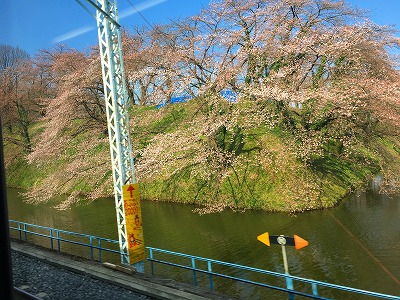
<point>134,227</point>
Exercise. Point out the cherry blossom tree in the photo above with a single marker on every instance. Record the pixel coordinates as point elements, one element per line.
<point>305,53</point>
<point>75,127</point>
<point>314,69</point>
<point>154,67</point>
<point>10,58</point>
<point>21,91</point>
<point>313,76</point>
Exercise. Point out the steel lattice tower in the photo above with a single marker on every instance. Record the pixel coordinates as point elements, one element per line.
<point>117,102</point>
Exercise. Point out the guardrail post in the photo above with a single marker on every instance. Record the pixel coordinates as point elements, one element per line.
<point>314,289</point>
<point>20,231</point>
<point>58,240</point>
<point>289,286</point>
<point>194,271</point>
<point>51,238</point>
<point>210,271</point>
<point>91,248</point>
<point>99,247</point>
<point>25,238</point>
<point>151,261</point>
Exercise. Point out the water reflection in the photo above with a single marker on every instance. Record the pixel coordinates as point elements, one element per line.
<point>334,254</point>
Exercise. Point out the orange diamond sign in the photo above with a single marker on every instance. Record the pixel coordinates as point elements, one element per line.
<point>295,241</point>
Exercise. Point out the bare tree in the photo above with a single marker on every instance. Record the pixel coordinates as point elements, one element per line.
<point>10,56</point>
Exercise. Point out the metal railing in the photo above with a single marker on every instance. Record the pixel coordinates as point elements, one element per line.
<point>56,236</point>
<point>210,263</point>
<point>211,268</point>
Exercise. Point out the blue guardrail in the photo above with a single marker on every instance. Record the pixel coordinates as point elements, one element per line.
<point>210,268</point>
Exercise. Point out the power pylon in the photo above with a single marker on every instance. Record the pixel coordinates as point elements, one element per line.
<point>117,102</point>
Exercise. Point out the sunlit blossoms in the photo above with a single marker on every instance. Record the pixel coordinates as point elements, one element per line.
<point>316,84</point>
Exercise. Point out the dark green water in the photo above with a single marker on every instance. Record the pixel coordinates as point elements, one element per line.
<point>336,254</point>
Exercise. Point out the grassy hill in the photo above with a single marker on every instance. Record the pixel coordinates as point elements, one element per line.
<point>212,153</point>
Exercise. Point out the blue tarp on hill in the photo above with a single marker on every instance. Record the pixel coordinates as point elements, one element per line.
<point>178,99</point>
<point>229,95</point>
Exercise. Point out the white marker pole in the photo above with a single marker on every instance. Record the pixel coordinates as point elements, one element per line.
<point>289,281</point>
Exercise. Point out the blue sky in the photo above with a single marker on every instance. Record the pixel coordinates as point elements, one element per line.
<point>38,24</point>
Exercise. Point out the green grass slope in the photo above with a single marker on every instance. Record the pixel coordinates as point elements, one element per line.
<point>210,153</point>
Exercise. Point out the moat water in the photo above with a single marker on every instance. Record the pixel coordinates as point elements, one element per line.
<point>356,244</point>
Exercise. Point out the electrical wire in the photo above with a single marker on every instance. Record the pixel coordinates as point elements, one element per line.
<point>386,270</point>
<point>141,15</point>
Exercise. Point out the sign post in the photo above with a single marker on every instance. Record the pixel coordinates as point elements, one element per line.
<point>289,282</point>
<point>282,240</point>
<point>134,226</point>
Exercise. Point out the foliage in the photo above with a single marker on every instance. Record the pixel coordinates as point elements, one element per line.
<point>22,86</point>
<point>317,112</point>
<point>248,165</point>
